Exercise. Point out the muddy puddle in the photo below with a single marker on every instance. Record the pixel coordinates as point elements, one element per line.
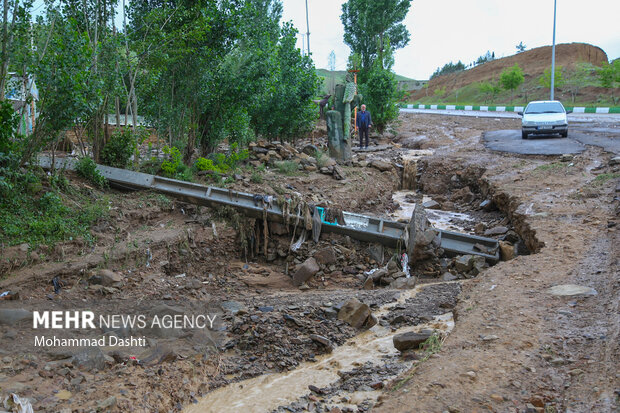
<point>367,353</point>
<point>446,220</point>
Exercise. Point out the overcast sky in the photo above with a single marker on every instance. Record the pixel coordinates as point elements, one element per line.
<point>452,30</point>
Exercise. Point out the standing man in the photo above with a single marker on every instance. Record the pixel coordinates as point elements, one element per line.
<point>364,122</point>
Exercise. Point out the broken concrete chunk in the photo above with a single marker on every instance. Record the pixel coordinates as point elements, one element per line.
<point>305,271</point>
<point>11,316</point>
<point>431,204</point>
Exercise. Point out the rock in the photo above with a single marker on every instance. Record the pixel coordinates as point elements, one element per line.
<point>404,283</point>
<point>479,228</point>
<point>24,247</point>
<point>420,245</point>
<point>464,195</point>
<point>486,205</point>
<point>369,284</point>
<point>90,358</point>
<point>310,168</point>
<point>448,277</point>
<point>12,316</point>
<point>464,263</point>
<point>381,165</point>
<point>324,341</point>
<point>490,337</point>
<point>410,340</point>
<point>234,307</point>
<point>506,251</point>
<point>106,278</point>
<point>310,150</point>
<point>326,256</point>
<point>305,271</point>
<point>265,309</point>
<point>566,157</point>
<point>106,403</point>
<point>354,313</point>
<point>496,231</point>
<point>277,228</point>
<point>338,173</point>
<point>432,204</point>
<point>571,289</point>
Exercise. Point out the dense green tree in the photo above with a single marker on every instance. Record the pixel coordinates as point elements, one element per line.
<point>545,79</point>
<point>609,76</point>
<point>511,78</point>
<point>371,25</point>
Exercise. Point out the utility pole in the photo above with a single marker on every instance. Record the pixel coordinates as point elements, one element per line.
<point>307,28</point>
<point>553,51</point>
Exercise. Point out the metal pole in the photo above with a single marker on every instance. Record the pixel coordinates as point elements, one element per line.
<point>307,28</point>
<point>553,51</point>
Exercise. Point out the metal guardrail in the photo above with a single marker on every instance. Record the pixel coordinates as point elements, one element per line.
<point>360,227</point>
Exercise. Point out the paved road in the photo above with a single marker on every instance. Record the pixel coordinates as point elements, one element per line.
<point>510,141</point>
<point>601,130</point>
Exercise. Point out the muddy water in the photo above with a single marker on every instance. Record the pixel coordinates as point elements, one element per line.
<point>265,393</point>
<point>447,220</point>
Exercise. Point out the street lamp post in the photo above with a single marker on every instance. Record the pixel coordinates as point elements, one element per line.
<point>553,51</point>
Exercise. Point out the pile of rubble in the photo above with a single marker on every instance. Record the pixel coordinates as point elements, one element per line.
<point>310,158</point>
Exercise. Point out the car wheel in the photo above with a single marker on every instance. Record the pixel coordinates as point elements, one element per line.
<point>523,135</point>
<point>564,134</point>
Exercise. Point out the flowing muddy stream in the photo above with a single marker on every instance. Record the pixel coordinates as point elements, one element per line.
<point>267,392</point>
<point>447,220</point>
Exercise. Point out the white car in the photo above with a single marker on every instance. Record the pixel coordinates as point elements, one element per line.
<point>544,117</point>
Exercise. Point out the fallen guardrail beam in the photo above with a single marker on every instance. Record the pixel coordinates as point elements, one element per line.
<point>360,227</point>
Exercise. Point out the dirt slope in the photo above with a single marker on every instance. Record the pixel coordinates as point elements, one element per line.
<point>533,62</point>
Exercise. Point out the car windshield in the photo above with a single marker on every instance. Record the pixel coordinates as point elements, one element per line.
<point>544,107</point>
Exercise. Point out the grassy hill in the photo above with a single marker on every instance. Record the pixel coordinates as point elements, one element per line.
<point>463,87</point>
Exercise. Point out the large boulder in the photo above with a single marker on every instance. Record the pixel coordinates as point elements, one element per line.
<point>326,256</point>
<point>12,316</point>
<point>381,165</point>
<point>410,340</point>
<point>404,283</point>
<point>305,271</point>
<point>422,237</point>
<point>355,313</point>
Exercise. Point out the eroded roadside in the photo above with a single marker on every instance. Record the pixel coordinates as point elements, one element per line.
<point>548,353</point>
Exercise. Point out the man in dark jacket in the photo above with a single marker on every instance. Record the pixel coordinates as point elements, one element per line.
<point>364,122</point>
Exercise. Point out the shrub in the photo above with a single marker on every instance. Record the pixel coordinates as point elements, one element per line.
<point>256,177</point>
<point>220,163</point>
<point>170,166</point>
<point>287,167</point>
<point>118,150</point>
<point>87,168</point>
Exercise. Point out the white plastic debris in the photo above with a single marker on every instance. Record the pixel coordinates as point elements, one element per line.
<point>297,244</point>
<point>14,404</point>
<point>404,262</point>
